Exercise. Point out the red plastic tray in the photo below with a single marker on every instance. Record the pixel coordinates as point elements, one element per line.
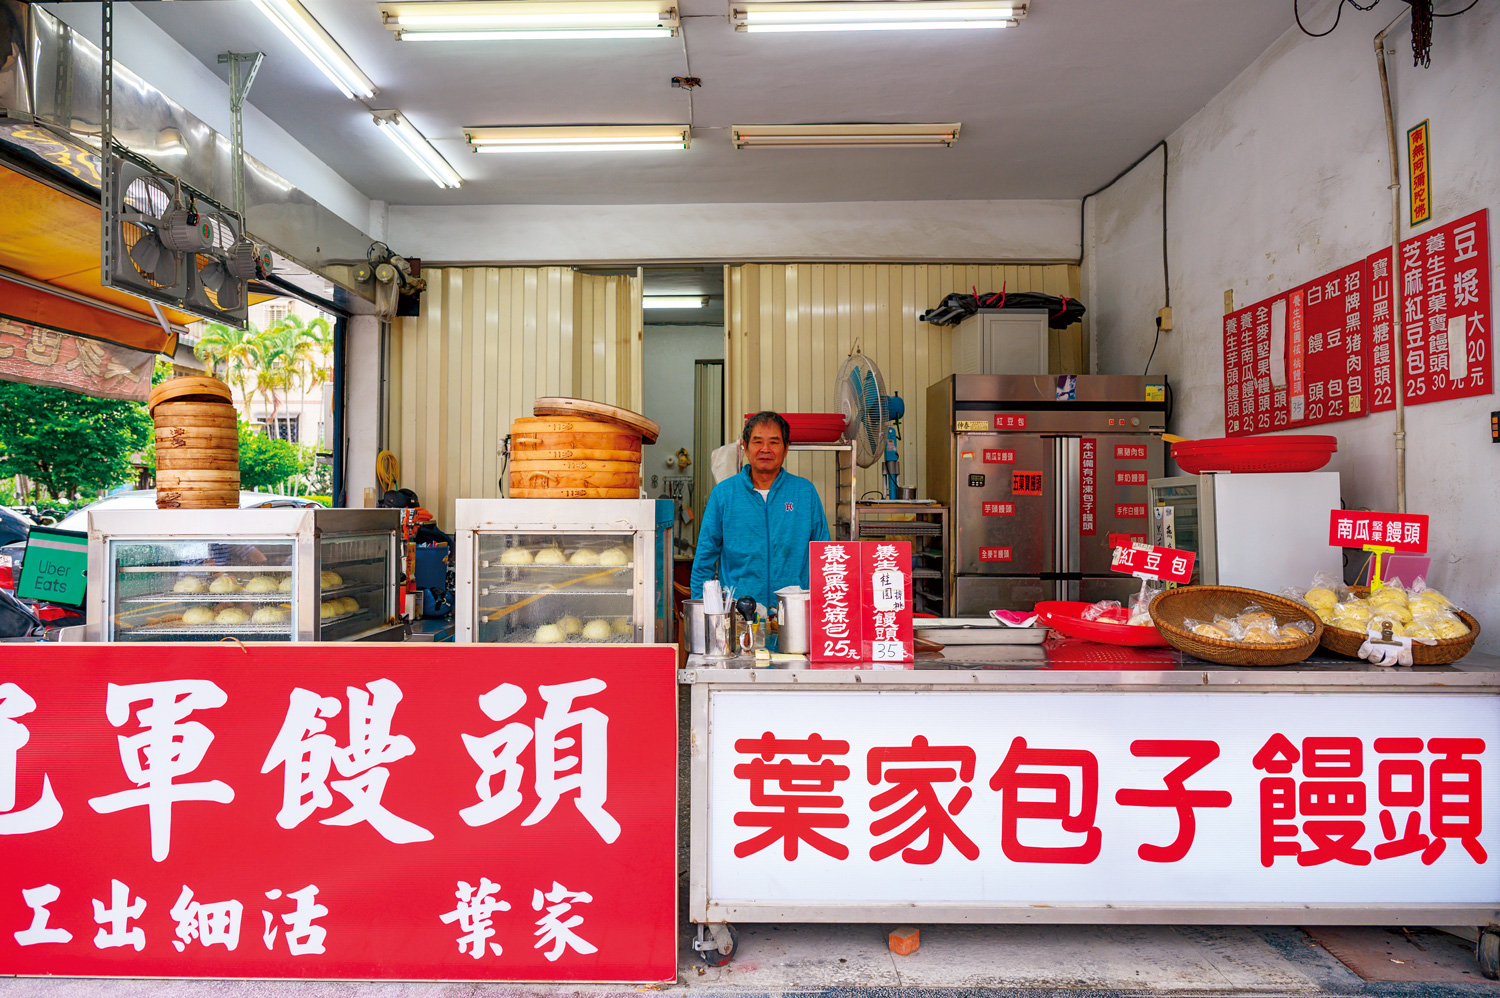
<point>1264,454</point>
<point>813,427</point>
<point>1063,616</point>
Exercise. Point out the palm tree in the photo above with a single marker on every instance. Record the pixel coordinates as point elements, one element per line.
<point>230,351</point>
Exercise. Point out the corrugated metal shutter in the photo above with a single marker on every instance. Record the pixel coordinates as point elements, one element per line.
<point>488,342</point>
<point>790,326</point>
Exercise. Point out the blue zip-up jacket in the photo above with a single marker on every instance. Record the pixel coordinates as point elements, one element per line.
<point>758,546</point>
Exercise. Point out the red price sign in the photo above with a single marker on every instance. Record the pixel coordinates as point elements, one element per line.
<point>1349,528</point>
<point>1152,562</point>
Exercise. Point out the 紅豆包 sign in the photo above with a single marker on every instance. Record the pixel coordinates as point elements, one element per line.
<point>1151,562</point>
<point>339,812</point>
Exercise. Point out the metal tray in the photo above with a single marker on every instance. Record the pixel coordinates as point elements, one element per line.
<point>975,631</point>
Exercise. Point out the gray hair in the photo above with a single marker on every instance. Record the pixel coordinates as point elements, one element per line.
<point>761,418</point>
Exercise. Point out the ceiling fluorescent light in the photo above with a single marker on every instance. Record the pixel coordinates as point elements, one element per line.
<point>578,138</point>
<point>509,20</point>
<point>879,15</point>
<point>412,142</point>
<point>828,136</point>
<point>318,45</point>
<point>673,301</point>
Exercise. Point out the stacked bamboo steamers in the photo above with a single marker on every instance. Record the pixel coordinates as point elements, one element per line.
<point>197,444</point>
<point>577,449</point>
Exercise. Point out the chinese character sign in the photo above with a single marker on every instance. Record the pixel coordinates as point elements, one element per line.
<point>1088,466</point>
<point>837,617</point>
<point>436,813</point>
<point>885,574</point>
<point>973,797</point>
<point>1153,562</point>
<point>1445,312</point>
<point>1354,528</point>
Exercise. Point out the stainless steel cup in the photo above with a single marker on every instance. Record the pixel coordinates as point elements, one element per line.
<point>692,624</point>
<point>718,633</point>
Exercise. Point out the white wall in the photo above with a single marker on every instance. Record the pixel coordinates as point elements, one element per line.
<point>1280,178</point>
<point>156,57</point>
<point>667,357</point>
<point>362,406</point>
<point>908,231</point>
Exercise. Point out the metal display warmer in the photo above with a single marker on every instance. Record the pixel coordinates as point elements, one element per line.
<point>565,571</point>
<point>252,574</point>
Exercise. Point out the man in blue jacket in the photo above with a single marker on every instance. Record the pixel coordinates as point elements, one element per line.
<point>757,525</point>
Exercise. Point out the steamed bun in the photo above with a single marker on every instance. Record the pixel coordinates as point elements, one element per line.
<point>597,630</point>
<point>549,634</point>
<point>570,626</point>
<point>224,584</point>
<point>285,585</point>
<point>233,615</point>
<point>330,608</point>
<point>197,615</point>
<point>188,584</point>
<point>330,579</point>
<point>268,615</point>
<point>549,556</point>
<point>624,627</point>
<point>516,556</point>
<point>615,557</point>
<point>261,584</point>
<point>584,556</point>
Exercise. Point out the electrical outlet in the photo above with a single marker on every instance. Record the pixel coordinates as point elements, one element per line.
<point>1165,315</point>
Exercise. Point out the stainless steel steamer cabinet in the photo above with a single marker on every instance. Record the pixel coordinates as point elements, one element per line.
<point>252,574</point>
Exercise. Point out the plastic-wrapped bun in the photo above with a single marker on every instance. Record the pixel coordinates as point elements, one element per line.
<point>329,580</point>
<point>1320,597</point>
<point>188,584</point>
<point>1451,627</point>
<point>1260,634</point>
<point>570,626</point>
<point>597,630</point>
<point>1210,631</point>
<point>224,584</point>
<point>615,557</point>
<point>261,584</point>
<point>198,615</point>
<point>232,615</point>
<point>584,556</point>
<point>516,556</point>
<point>549,634</point>
<point>549,556</point>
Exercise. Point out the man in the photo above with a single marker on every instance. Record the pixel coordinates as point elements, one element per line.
<point>757,525</point>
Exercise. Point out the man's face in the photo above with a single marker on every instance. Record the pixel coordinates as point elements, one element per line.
<point>767,450</point>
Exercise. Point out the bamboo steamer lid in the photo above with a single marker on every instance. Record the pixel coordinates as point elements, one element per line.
<point>520,466</point>
<point>188,389</point>
<point>573,480</point>
<point>579,493</point>
<point>571,454</point>
<point>649,429</point>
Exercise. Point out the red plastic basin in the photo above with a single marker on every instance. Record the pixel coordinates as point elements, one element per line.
<point>1063,616</point>
<point>813,427</point>
<point>1261,454</point>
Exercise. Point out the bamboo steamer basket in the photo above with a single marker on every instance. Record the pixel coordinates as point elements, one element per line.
<point>521,466</point>
<point>1171,610</point>
<point>579,493</point>
<point>197,444</point>
<point>1446,651</point>
<point>560,433</point>
<point>573,480</point>
<point>648,428</point>
<point>572,454</point>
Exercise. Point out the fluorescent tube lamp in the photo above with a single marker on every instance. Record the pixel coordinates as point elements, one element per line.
<point>830,136</point>
<point>510,20</point>
<point>578,138</point>
<point>318,45</point>
<point>412,142</point>
<point>673,301</point>
<point>879,15</point>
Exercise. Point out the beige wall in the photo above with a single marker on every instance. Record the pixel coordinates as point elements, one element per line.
<point>488,342</point>
<point>792,325</point>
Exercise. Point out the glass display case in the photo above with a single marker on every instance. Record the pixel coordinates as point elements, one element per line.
<point>572,571</point>
<point>252,574</point>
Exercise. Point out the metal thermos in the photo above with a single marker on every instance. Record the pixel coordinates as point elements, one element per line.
<point>693,624</point>
<point>794,613</point>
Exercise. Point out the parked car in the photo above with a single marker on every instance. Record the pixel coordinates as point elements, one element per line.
<point>13,526</point>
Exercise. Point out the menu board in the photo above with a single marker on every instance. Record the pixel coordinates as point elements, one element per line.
<point>1299,358</point>
<point>1445,310</point>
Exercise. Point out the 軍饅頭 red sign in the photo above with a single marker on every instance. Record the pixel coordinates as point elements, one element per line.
<point>339,811</point>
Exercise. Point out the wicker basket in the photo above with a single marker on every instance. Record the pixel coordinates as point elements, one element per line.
<point>1447,650</point>
<point>1171,609</point>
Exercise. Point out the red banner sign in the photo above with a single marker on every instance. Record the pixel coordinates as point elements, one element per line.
<point>1010,422</point>
<point>1154,562</point>
<point>1351,528</point>
<point>1130,452</point>
<point>998,509</point>
<point>999,457</point>
<point>1130,511</point>
<point>1025,483</point>
<point>994,554</point>
<point>339,811</point>
<point>1446,314</point>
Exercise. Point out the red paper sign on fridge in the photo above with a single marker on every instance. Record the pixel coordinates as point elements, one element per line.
<point>1153,562</point>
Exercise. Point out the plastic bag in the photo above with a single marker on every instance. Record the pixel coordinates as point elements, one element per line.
<point>1420,592</point>
<point>1140,604</point>
<point>1206,629</point>
<point>1099,609</point>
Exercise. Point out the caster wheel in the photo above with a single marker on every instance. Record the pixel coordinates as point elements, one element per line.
<point>728,941</point>
<point>1487,952</point>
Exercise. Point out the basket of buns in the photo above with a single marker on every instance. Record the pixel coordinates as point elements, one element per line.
<point>1232,626</point>
<point>1440,632</point>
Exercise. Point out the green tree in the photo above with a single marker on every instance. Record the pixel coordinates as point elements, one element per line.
<point>265,462</point>
<point>69,443</point>
<point>233,354</point>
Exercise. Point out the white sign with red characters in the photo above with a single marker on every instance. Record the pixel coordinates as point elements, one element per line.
<point>1354,528</point>
<point>1150,562</point>
<point>1198,800</point>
